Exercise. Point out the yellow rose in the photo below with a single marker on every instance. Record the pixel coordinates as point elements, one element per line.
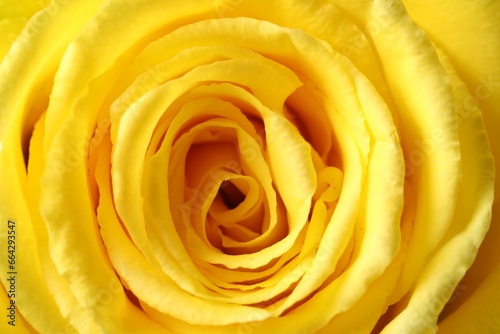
<point>237,166</point>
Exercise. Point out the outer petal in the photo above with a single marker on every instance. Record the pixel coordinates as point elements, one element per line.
<point>469,32</point>
<point>98,61</point>
<point>13,17</point>
<point>29,64</point>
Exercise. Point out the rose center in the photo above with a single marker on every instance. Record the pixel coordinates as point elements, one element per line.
<point>231,195</point>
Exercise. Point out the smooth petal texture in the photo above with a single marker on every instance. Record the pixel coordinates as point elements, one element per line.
<point>469,34</point>
<point>250,166</point>
<point>463,239</point>
<point>13,206</point>
<point>13,18</point>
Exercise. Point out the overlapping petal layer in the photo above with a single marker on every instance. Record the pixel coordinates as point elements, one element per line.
<point>212,167</point>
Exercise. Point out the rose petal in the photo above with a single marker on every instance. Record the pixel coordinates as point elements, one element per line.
<point>461,242</point>
<point>469,34</point>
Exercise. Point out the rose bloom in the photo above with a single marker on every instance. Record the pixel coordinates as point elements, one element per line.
<point>243,166</point>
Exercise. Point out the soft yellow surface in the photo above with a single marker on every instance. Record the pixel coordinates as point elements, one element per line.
<point>358,136</point>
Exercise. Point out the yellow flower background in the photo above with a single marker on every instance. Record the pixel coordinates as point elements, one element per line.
<point>238,166</point>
